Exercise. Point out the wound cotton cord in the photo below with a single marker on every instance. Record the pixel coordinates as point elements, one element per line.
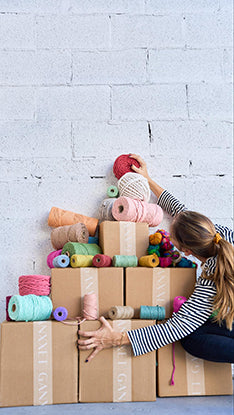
<point>120,312</point>
<point>125,261</point>
<point>133,210</point>
<point>101,260</point>
<point>59,217</point>
<point>112,191</point>
<point>60,313</point>
<point>81,261</point>
<point>61,261</point>
<point>89,312</point>
<point>135,186</point>
<point>76,248</point>
<point>7,302</point>
<point>149,261</point>
<point>34,284</point>
<point>30,308</point>
<point>152,312</point>
<point>105,210</point>
<point>51,256</point>
<point>69,233</point>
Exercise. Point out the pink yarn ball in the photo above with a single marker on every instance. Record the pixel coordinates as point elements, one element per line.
<point>165,262</point>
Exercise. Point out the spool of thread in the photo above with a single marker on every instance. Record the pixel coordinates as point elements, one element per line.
<point>177,303</point>
<point>61,261</point>
<point>76,248</point>
<point>7,302</point>
<point>133,210</point>
<point>93,240</point>
<point>120,312</point>
<point>123,165</point>
<point>90,307</point>
<point>29,307</point>
<point>81,261</point>
<point>60,313</point>
<point>124,261</point>
<point>34,284</point>
<point>51,256</point>
<point>69,233</point>
<point>59,217</point>
<point>152,312</point>
<point>135,186</point>
<point>112,191</point>
<point>149,261</point>
<point>101,260</point>
<point>105,210</point>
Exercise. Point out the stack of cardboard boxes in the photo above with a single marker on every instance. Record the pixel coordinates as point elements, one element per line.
<point>40,361</point>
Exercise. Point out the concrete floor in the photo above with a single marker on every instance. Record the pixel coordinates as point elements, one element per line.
<point>208,405</point>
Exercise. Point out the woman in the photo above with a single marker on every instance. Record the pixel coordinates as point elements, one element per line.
<point>204,323</point>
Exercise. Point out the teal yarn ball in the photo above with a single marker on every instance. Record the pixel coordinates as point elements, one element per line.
<point>125,261</point>
<point>153,249</point>
<point>152,312</point>
<point>30,307</point>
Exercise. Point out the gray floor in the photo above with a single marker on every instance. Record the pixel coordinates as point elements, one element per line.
<point>210,405</point>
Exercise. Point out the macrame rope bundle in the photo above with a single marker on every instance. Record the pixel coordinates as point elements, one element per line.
<point>152,312</point>
<point>69,233</point>
<point>61,261</point>
<point>101,260</point>
<point>34,284</point>
<point>105,210</point>
<point>124,261</point>
<point>81,261</point>
<point>177,303</point>
<point>112,191</point>
<point>51,256</point>
<point>76,248</point>
<point>30,307</point>
<point>120,312</point>
<point>135,186</point>
<point>59,217</point>
<point>123,165</point>
<point>133,210</point>
<point>149,261</point>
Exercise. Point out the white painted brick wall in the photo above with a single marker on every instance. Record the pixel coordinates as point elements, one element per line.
<point>83,81</point>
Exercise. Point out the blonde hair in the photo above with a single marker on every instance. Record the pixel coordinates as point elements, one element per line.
<point>197,233</point>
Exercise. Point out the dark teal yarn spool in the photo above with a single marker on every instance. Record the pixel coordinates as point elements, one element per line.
<point>125,261</point>
<point>152,312</point>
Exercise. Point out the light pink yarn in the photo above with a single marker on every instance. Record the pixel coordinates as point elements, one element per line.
<point>51,256</point>
<point>90,307</point>
<point>34,284</point>
<point>135,210</point>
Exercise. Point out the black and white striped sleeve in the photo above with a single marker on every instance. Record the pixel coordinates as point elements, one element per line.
<point>192,314</point>
<point>170,204</point>
<point>225,232</point>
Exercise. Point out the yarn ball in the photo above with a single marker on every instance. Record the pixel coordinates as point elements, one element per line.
<point>153,249</point>
<point>155,238</point>
<point>134,185</point>
<point>165,262</point>
<point>123,165</point>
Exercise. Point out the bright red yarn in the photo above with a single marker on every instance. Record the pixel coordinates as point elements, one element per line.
<point>123,165</point>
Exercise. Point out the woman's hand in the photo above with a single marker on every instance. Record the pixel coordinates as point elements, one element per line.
<point>142,169</point>
<point>103,338</point>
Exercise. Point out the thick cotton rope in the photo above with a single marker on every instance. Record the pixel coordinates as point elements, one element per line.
<point>124,261</point>
<point>177,303</point>
<point>152,312</point>
<point>34,284</point>
<point>105,210</point>
<point>61,261</point>
<point>81,261</point>
<point>59,217</point>
<point>30,308</point>
<point>120,312</point>
<point>123,165</point>
<point>51,256</point>
<point>135,186</point>
<point>101,260</point>
<point>112,191</point>
<point>69,233</point>
<point>150,261</point>
<point>60,313</point>
<point>133,210</point>
<point>76,248</point>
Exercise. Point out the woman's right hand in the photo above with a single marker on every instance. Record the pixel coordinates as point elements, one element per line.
<point>142,169</point>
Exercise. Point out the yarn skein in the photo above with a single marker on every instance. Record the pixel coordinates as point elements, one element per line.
<point>120,312</point>
<point>34,284</point>
<point>51,256</point>
<point>101,260</point>
<point>59,217</point>
<point>105,210</point>
<point>149,261</point>
<point>112,191</point>
<point>81,261</point>
<point>76,248</point>
<point>30,307</point>
<point>135,186</point>
<point>177,303</point>
<point>125,261</point>
<point>123,165</point>
<point>69,233</point>
<point>60,313</point>
<point>152,312</point>
<point>61,261</point>
<point>133,210</point>
<point>7,302</point>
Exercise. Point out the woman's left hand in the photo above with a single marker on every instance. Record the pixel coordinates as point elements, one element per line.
<point>103,338</point>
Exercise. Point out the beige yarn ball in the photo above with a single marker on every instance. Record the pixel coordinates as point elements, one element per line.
<point>134,185</point>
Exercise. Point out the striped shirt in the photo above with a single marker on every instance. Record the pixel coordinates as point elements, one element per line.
<point>194,312</point>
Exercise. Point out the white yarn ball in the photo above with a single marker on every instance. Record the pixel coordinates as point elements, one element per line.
<point>134,185</point>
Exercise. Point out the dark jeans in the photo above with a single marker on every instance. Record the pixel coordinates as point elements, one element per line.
<point>211,342</point>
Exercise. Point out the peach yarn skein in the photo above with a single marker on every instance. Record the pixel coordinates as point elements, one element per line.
<point>59,217</point>
<point>69,233</point>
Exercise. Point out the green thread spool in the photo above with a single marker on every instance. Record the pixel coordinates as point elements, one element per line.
<point>30,307</point>
<point>125,261</point>
<point>152,312</point>
<point>112,191</point>
<point>77,248</point>
<point>81,261</point>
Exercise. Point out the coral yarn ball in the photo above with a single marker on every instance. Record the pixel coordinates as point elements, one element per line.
<point>123,165</point>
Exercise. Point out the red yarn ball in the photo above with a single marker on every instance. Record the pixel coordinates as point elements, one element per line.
<point>123,165</point>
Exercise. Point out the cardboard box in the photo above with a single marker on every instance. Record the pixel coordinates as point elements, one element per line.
<point>193,376</point>
<point>39,363</point>
<point>115,375</point>
<point>157,286</point>
<point>69,285</point>
<point>124,238</point>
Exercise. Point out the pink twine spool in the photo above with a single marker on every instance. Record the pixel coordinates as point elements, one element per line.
<point>177,303</point>
<point>135,210</point>
<point>7,302</point>
<point>90,307</point>
<point>101,260</point>
<point>51,256</point>
<point>34,284</point>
